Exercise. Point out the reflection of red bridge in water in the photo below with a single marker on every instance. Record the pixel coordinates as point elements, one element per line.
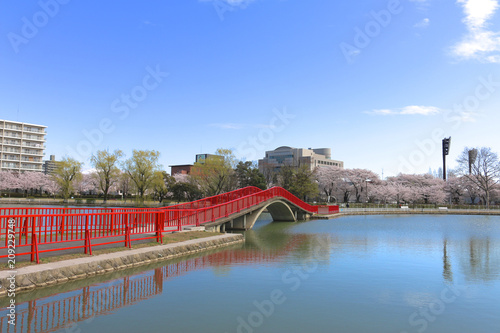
<point>46,315</point>
<point>40,230</point>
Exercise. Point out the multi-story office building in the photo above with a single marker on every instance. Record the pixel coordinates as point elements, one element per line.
<point>296,157</point>
<point>22,146</point>
<point>50,166</point>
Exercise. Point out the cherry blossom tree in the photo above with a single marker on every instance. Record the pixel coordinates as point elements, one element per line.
<point>329,180</point>
<point>51,186</point>
<point>455,188</point>
<point>88,183</point>
<point>419,188</point>
<point>30,180</point>
<point>8,180</point>
<point>359,179</point>
<point>381,192</point>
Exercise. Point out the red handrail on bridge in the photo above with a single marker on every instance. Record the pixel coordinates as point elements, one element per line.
<point>86,228</point>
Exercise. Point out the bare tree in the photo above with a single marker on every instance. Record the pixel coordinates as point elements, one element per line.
<point>484,171</point>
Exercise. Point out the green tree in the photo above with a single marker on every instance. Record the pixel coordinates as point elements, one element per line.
<point>249,175</point>
<point>182,191</point>
<point>286,176</point>
<point>162,183</point>
<point>107,170</point>
<point>141,169</point>
<point>216,174</point>
<point>304,184</point>
<point>67,172</point>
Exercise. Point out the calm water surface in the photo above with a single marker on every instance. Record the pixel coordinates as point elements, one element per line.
<point>419,273</point>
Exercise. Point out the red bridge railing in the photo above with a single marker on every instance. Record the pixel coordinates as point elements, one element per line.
<point>35,230</point>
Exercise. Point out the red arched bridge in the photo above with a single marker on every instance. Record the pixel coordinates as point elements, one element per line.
<point>36,230</point>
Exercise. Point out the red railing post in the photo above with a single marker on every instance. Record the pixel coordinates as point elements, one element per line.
<point>112,226</point>
<point>88,245</point>
<point>127,233</point>
<point>63,219</point>
<point>159,233</point>
<point>34,249</point>
<point>25,228</point>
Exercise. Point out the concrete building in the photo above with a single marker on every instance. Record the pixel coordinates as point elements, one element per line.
<point>50,165</point>
<point>22,146</point>
<point>201,158</point>
<point>296,157</point>
<point>186,168</point>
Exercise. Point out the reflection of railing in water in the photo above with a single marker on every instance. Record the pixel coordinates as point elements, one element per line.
<point>57,314</point>
<point>43,315</point>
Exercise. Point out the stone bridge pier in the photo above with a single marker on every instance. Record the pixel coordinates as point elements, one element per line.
<point>280,211</point>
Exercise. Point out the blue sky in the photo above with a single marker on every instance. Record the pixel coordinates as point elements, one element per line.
<point>379,82</point>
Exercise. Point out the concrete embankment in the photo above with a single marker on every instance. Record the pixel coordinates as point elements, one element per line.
<point>43,275</point>
<point>409,212</point>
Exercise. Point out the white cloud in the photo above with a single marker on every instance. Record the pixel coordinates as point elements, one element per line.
<point>408,110</point>
<point>422,110</point>
<point>423,24</point>
<point>478,12</point>
<point>479,43</point>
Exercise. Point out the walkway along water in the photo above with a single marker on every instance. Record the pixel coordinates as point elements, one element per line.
<point>33,231</point>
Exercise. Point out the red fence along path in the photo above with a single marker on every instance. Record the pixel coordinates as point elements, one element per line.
<point>72,228</point>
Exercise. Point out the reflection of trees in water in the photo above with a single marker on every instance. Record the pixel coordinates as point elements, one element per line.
<point>480,259</point>
<point>447,272</point>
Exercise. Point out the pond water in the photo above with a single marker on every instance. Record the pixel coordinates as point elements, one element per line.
<point>418,273</point>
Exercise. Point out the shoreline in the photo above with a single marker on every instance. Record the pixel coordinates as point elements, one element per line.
<point>372,211</point>
<point>43,275</point>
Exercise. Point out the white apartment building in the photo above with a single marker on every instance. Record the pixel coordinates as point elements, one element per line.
<point>22,146</point>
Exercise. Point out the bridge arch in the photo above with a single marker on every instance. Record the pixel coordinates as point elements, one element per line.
<point>280,211</point>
